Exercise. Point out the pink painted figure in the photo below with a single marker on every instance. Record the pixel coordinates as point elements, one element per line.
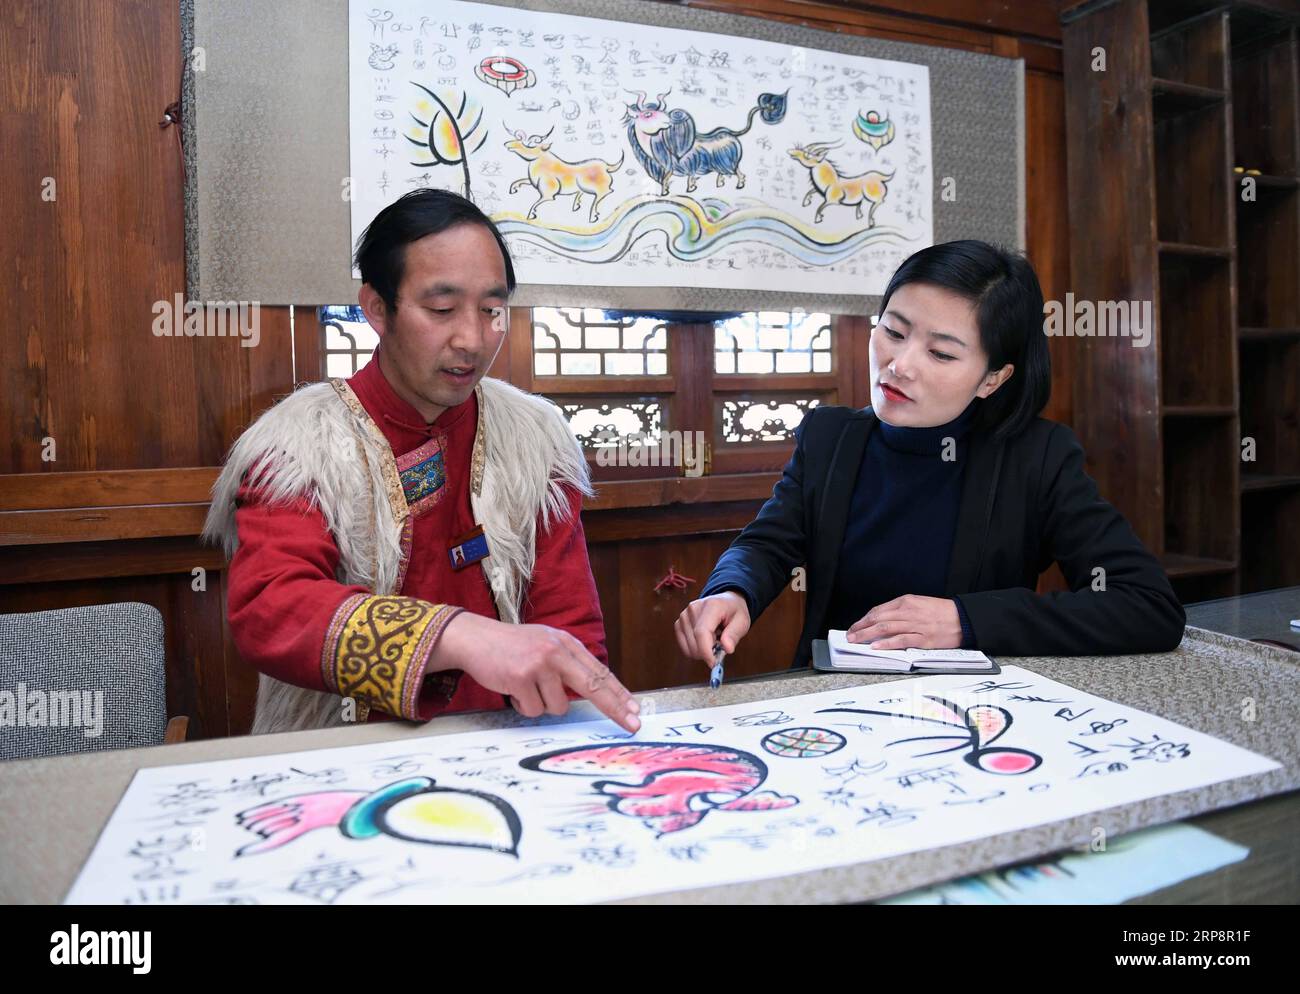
<point>669,787</point>
<point>282,821</point>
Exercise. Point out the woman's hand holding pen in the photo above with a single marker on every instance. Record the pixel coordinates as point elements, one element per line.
<point>698,626</point>
<point>910,622</point>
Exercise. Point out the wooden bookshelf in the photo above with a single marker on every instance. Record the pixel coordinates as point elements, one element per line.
<point>1158,212</point>
<point>1266,140</point>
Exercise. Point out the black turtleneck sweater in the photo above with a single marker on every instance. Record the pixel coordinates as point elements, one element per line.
<point>903,518</point>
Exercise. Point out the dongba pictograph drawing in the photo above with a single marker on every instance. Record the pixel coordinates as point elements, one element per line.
<point>698,798</point>
<point>980,726</point>
<point>414,809</point>
<point>619,154</point>
<point>669,787</point>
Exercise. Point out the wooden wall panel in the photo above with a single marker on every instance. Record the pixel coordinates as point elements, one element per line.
<point>1047,231</point>
<point>240,678</point>
<point>1017,19</point>
<point>1115,202</point>
<point>80,282</point>
<point>643,648</point>
<point>192,621</point>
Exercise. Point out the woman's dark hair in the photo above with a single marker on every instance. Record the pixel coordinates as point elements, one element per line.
<point>1009,311</point>
<point>381,249</point>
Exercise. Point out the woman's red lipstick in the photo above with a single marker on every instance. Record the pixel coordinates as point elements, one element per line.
<point>893,394</point>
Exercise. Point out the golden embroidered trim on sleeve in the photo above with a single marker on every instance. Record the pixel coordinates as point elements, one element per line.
<point>377,649</point>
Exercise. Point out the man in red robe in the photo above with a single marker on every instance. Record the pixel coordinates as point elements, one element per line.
<point>409,542</point>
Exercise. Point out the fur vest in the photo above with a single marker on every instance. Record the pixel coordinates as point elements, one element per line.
<point>320,445</point>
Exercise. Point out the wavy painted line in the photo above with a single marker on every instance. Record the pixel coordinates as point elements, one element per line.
<point>690,234</point>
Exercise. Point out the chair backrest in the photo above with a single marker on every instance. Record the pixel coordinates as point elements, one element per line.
<point>80,679</point>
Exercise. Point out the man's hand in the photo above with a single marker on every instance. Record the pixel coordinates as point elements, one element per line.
<point>532,664</point>
<point>910,622</point>
<point>697,626</point>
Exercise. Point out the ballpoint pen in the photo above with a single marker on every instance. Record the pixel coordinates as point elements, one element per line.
<point>715,678</point>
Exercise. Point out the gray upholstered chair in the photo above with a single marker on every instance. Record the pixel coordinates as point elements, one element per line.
<point>81,679</point>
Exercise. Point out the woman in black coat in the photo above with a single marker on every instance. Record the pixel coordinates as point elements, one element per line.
<point>925,520</point>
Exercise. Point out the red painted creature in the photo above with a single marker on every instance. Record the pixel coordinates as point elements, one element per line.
<point>669,787</point>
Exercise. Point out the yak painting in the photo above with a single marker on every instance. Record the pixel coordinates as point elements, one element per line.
<point>667,142</point>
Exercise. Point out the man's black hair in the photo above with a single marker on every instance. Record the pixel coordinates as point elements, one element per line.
<point>381,250</point>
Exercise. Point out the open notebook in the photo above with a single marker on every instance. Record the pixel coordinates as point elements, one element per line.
<point>860,658</point>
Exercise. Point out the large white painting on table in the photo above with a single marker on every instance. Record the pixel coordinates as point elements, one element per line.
<point>585,812</point>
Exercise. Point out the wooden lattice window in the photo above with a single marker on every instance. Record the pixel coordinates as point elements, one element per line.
<point>347,340</point>
<point>743,382</point>
<point>634,387</point>
<point>770,369</point>
<point>599,424</point>
<point>614,376</point>
<point>581,341</point>
<point>773,342</point>
<point>774,419</point>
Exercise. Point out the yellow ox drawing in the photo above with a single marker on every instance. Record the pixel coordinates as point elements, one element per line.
<point>554,177</point>
<point>851,191</point>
